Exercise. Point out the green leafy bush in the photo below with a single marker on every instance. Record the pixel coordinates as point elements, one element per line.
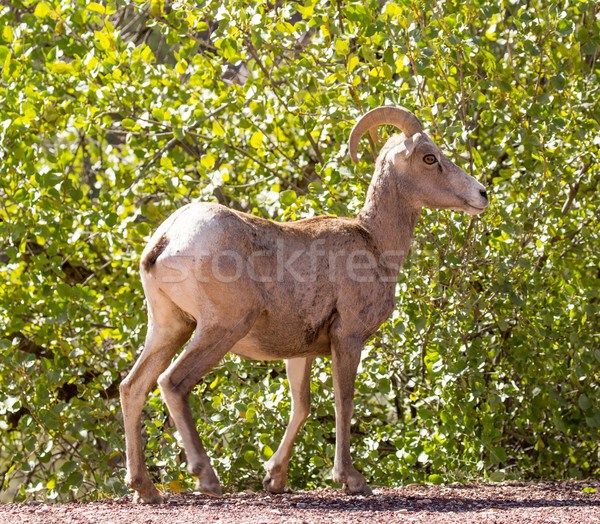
<point>114,114</point>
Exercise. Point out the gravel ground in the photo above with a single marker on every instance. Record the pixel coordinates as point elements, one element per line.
<point>510,502</point>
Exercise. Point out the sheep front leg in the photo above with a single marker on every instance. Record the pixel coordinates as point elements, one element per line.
<point>298,372</point>
<point>345,359</point>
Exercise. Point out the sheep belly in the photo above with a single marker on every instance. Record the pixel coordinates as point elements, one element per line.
<point>282,340</point>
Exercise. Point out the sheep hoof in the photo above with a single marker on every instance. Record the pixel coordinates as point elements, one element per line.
<point>274,485</point>
<point>150,497</point>
<point>365,490</point>
<point>211,489</point>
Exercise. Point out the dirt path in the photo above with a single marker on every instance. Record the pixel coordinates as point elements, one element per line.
<point>515,502</point>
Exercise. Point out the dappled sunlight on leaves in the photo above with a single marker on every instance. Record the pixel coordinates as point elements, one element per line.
<point>115,114</point>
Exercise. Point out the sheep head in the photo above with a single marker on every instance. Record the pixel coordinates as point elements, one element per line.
<point>424,176</point>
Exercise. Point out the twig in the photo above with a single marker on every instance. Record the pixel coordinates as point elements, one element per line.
<point>255,160</point>
<point>156,156</point>
<point>103,266</point>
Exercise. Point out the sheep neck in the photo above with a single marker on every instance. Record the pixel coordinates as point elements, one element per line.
<point>388,215</point>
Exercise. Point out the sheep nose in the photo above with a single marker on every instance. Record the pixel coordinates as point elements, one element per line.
<point>483,193</point>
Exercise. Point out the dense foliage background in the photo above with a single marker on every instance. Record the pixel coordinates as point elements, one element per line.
<point>114,114</point>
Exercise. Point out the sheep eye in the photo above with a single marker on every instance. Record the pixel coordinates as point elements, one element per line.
<point>429,159</point>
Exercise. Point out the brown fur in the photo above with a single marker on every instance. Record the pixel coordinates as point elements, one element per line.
<point>267,290</point>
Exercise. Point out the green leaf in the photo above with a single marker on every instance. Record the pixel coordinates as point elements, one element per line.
<point>436,479</point>
<point>182,66</point>
<point>342,46</point>
<point>91,63</point>
<point>217,128</point>
<point>74,479</point>
<point>352,63</point>
<point>584,402</point>
<point>156,7</point>
<point>62,68</point>
<point>208,161</point>
<point>287,197</point>
<point>558,81</point>
<point>102,40</point>
<point>497,476</point>
<point>4,53</point>
<point>257,139</point>
<point>42,9</point>
<point>7,34</point>
<point>94,6</point>
<point>498,455</point>
<point>317,461</point>
<point>250,457</point>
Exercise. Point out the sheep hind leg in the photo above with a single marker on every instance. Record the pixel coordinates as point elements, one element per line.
<point>168,331</point>
<point>298,372</point>
<point>205,350</point>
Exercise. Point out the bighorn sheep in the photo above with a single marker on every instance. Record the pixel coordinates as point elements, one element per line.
<point>266,290</point>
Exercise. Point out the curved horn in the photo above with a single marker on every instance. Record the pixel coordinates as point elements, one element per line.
<point>396,116</point>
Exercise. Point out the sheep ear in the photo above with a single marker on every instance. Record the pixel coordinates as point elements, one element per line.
<point>406,148</point>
